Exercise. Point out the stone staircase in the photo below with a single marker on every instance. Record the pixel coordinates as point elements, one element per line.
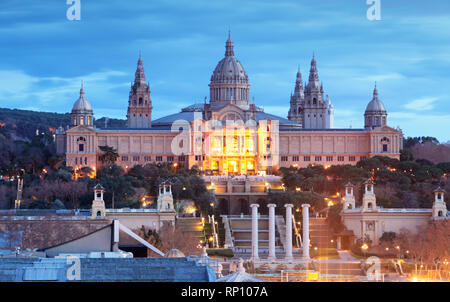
<point>191,225</point>
<point>106,269</point>
<point>241,230</point>
<point>320,234</point>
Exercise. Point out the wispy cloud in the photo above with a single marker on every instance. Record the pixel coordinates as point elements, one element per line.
<point>422,104</point>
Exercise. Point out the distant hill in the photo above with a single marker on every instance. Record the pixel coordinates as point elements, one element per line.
<point>22,124</point>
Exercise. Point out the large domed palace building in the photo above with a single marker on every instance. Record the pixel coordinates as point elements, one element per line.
<point>230,135</point>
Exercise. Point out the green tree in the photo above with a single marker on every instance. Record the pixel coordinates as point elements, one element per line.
<point>109,155</point>
<point>406,155</point>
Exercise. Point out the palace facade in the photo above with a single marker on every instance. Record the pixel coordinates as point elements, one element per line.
<point>229,135</point>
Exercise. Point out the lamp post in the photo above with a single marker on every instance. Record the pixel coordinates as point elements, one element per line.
<point>364,248</point>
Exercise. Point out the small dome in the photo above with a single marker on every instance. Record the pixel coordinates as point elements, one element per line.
<point>82,104</point>
<point>174,253</point>
<point>375,104</point>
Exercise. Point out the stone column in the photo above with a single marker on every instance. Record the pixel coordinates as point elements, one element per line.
<point>272,255</point>
<point>255,256</point>
<point>288,243</point>
<point>305,210</point>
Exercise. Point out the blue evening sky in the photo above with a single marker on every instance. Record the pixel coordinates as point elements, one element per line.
<point>44,56</point>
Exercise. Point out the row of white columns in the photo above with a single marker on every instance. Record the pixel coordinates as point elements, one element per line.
<point>288,245</point>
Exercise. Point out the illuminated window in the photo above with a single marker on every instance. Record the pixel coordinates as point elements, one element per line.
<point>215,165</point>
<point>250,165</point>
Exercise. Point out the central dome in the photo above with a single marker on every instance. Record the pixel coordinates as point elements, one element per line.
<point>229,69</point>
<point>229,81</point>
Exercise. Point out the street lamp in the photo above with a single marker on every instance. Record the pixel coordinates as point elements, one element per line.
<point>364,247</point>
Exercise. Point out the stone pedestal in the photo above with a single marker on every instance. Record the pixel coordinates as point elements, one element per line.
<point>305,249</point>
<point>255,256</point>
<point>288,243</point>
<point>272,255</point>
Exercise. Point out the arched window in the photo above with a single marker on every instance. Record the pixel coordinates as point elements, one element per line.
<point>99,213</point>
<point>140,101</point>
<point>81,142</point>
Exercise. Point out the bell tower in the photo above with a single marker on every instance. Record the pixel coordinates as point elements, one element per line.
<point>318,112</point>
<point>349,198</point>
<point>98,205</point>
<point>369,202</point>
<point>439,207</point>
<point>139,113</point>
<point>297,101</point>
